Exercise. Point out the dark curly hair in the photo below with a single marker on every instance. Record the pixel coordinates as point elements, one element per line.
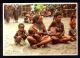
<point>21,24</point>
<point>56,14</point>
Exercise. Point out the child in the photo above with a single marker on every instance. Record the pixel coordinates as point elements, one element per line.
<point>31,17</point>
<point>73,18</point>
<point>49,13</point>
<point>72,30</point>
<point>21,33</point>
<point>53,29</point>
<point>26,18</point>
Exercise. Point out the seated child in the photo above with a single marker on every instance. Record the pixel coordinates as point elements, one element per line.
<point>53,29</point>
<point>73,18</point>
<point>21,33</point>
<point>72,30</point>
<point>31,17</point>
<point>26,19</point>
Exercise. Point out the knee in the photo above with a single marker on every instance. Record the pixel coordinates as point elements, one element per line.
<point>36,35</point>
<point>48,39</point>
<point>54,38</point>
<point>29,37</point>
<point>69,37</point>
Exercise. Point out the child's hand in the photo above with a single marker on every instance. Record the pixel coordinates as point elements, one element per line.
<point>18,36</point>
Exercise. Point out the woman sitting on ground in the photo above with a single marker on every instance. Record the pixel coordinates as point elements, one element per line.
<point>59,30</point>
<point>37,33</point>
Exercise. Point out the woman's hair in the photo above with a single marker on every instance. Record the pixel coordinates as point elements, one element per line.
<point>35,18</point>
<point>56,14</point>
<point>21,24</point>
<point>54,23</point>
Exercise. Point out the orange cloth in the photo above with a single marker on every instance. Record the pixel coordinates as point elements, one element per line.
<point>73,22</point>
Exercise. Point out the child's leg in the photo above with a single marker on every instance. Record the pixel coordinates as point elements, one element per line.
<point>18,39</point>
<point>31,40</point>
<point>37,37</point>
<point>15,41</point>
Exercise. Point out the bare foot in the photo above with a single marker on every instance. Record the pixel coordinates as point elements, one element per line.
<point>45,46</point>
<point>72,39</point>
<point>34,46</point>
<point>18,44</point>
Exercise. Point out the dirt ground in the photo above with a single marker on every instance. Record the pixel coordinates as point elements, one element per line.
<point>10,49</point>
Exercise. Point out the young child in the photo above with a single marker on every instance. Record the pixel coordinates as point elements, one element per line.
<point>72,30</point>
<point>49,13</point>
<point>26,18</point>
<point>53,29</point>
<point>73,18</point>
<point>21,33</point>
<point>31,17</point>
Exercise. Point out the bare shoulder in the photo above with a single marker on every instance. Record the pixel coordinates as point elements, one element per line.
<point>31,27</point>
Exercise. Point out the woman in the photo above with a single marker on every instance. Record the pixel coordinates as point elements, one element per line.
<point>37,33</point>
<point>6,14</point>
<point>59,36</point>
<point>15,14</point>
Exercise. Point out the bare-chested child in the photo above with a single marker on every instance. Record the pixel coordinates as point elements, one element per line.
<point>37,33</point>
<point>20,34</point>
<point>53,29</point>
<point>31,17</point>
<point>72,30</point>
<point>59,34</point>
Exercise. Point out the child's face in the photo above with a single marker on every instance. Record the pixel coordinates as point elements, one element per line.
<point>21,28</point>
<point>73,26</point>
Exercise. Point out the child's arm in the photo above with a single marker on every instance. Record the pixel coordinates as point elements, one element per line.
<point>15,36</point>
<point>52,31</point>
<point>25,32</point>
